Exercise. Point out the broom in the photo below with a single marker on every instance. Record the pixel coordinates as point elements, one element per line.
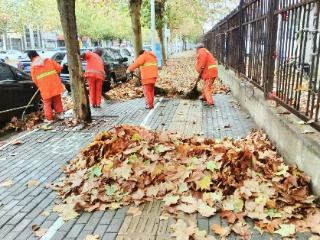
<point>158,90</point>
<point>194,93</point>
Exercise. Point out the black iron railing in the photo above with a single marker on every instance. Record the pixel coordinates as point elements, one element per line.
<point>275,44</point>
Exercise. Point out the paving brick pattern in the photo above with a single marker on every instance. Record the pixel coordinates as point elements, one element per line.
<point>42,153</point>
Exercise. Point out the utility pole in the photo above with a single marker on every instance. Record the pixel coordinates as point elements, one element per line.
<point>153,26</point>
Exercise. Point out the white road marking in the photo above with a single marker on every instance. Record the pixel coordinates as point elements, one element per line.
<point>53,229</point>
<point>146,119</point>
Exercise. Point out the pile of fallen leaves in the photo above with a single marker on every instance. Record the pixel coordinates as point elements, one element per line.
<point>126,91</point>
<point>177,78</point>
<point>237,178</point>
<point>30,121</point>
<point>67,102</point>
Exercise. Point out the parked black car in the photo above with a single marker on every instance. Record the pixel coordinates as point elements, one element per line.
<point>115,67</point>
<point>25,63</point>
<point>16,90</point>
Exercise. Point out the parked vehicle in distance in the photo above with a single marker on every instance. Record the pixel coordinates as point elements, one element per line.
<point>11,55</point>
<point>25,63</point>
<point>115,67</point>
<point>126,53</point>
<point>16,90</point>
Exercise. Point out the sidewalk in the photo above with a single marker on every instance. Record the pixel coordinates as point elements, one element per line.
<point>40,155</point>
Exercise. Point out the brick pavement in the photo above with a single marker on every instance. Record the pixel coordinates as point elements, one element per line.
<point>42,153</point>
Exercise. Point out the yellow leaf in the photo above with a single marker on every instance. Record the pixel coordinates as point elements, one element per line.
<point>204,183</point>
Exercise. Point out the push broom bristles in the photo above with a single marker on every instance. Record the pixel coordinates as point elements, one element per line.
<point>194,93</point>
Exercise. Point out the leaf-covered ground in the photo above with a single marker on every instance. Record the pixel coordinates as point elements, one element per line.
<point>233,178</point>
<point>177,79</point>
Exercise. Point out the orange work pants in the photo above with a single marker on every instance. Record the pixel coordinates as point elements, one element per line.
<point>95,91</point>
<point>149,94</point>
<point>47,105</point>
<point>207,92</point>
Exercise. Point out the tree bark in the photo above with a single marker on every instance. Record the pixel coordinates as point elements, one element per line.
<point>78,89</point>
<point>163,47</point>
<point>160,13</point>
<point>135,12</point>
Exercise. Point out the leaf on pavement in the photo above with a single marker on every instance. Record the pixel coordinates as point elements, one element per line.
<point>92,237</point>
<point>37,231</point>
<point>65,211</point>
<point>221,231</point>
<point>17,142</point>
<point>286,230</point>
<point>45,213</point>
<point>7,183</point>
<point>33,183</point>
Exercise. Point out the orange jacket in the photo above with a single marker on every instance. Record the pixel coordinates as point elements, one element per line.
<point>45,74</point>
<point>208,62</point>
<point>148,66</point>
<point>95,66</point>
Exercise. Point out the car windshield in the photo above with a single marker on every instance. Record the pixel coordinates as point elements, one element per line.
<point>107,57</point>
<point>115,53</point>
<point>125,52</point>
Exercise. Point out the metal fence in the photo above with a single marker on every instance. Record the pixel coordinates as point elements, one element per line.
<point>275,44</point>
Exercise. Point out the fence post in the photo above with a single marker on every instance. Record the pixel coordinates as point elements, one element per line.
<point>241,35</point>
<point>272,32</point>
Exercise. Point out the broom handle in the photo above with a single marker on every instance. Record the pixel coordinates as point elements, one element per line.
<point>200,75</point>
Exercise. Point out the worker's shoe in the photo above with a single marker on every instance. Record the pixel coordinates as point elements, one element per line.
<point>48,121</point>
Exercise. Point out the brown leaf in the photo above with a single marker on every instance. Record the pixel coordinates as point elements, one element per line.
<point>92,237</point>
<point>37,231</point>
<point>7,183</point>
<point>223,232</point>
<point>33,183</point>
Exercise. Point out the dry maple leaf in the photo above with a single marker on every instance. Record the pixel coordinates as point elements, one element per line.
<point>221,231</point>
<point>45,213</point>
<point>313,222</point>
<point>242,229</point>
<point>65,211</point>
<point>134,211</point>
<point>37,231</point>
<point>7,183</point>
<point>17,142</point>
<point>92,237</point>
<point>33,183</point>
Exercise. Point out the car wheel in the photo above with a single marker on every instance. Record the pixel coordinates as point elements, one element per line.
<point>6,58</point>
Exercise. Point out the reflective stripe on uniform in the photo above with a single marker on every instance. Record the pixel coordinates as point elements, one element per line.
<point>95,71</point>
<point>149,64</point>
<point>46,74</point>
<point>212,66</point>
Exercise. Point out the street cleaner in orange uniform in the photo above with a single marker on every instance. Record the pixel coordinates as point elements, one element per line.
<point>208,70</point>
<point>147,61</point>
<point>45,74</point>
<point>95,75</point>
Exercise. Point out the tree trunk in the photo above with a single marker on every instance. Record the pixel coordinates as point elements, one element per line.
<point>135,12</point>
<point>78,88</point>
<point>163,47</point>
